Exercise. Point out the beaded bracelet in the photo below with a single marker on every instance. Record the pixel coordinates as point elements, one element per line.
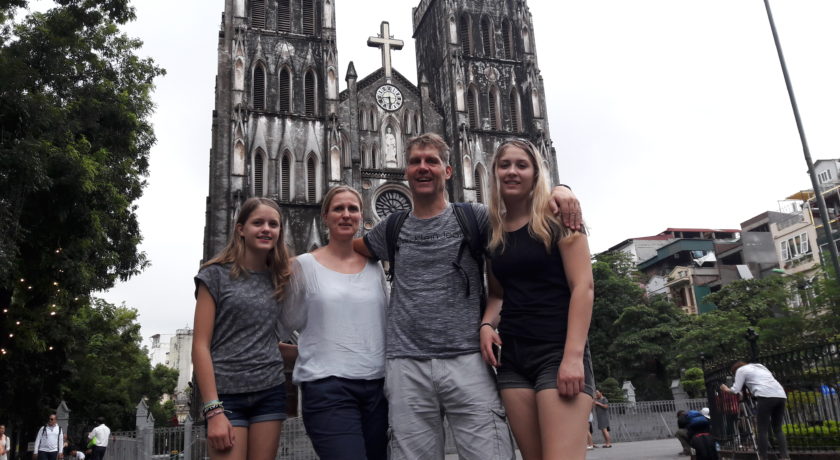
<point>208,408</point>
<point>211,403</point>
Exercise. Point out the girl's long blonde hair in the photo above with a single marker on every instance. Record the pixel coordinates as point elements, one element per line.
<point>542,224</point>
<point>277,259</point>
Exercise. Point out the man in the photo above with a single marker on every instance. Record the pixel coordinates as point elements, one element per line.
<point>433,363</point>
<point>99,436</point>
<point>682,432</point>
<point>50,441</point>
<point>76,454</point>
<point>5,443</point>
<point>602,415</point>
<point>771,398</point>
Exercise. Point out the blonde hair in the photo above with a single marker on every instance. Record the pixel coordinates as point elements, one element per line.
<point>542,225</point>
<point>331,193</point>
<point>277,259</point>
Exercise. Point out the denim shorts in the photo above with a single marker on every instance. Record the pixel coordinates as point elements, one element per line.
<point>529,363</point>
<point>243,409</point>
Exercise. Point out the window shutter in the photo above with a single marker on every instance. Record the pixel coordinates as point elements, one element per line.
<point>507,39</point>
<point>805,247</point>
<point>486,37</point>
<point>494,122</point>
<point>258,173</point>
<point>284,16</point>
<point>309,96</point>
<point>259,88</point>
<point>285,176</point>
<point>514,113</point>
<point>464,35</point>
<point>285,90</point>
<point>479,193</point>
<point>308,17</point>
<point>258,14</point>
<point>310,180</point>
<point>472,110</point>
<point>785,255</point>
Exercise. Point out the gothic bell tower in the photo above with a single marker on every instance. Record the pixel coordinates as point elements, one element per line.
<point>275,115</point>
<point>480,60</point>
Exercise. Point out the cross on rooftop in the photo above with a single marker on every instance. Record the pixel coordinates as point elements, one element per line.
<point>385,41</point>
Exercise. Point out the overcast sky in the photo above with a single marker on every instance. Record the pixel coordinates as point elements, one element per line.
<point>664,113</point>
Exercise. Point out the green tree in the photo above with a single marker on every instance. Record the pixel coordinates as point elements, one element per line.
<point>644,342</point>
<point>755,299</point>
<point>612,390</point>
<point>74,146</point>
<point>693,383</point>
<point>717,335</point>
<point>617,287</point>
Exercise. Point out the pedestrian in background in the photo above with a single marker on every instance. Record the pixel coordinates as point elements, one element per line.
<point>771,398</point>
<point>99,437</point>
<point>5,443</point>
<point>602,415</point>
<point>50,441</point>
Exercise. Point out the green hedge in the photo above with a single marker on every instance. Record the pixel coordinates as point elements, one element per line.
<point>823,436</point>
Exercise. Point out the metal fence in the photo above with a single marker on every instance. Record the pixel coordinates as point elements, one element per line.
<point>645,420</point>
<point>811,379</point>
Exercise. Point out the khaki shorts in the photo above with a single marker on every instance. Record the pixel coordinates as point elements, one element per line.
<point>421,392</point>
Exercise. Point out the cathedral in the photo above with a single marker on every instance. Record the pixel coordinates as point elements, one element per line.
<point>283,130</point>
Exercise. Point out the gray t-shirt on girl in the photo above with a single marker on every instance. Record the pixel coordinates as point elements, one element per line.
<point>244,347</point>
<point>429,315</point>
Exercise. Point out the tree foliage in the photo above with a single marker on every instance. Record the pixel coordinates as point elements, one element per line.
<point>693,383</point>
<point>74,146</point>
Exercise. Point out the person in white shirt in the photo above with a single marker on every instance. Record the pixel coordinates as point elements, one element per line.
<point>50,441</point>
<point>100,434</point>
<point>76,454</point>
<point>5,443</point>
<point>771,399</point>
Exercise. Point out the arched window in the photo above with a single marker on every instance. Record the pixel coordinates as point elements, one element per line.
<point>285,177</point>
<point>487,36</point>
<point>284,16</point>
<point>309,93</point>
<point>418,123</point>
<point>259,173</point>
<point>535,104</point>
<point>464,34</point>
<point>308,10</point>
<point>258,92</point>
<point>526,40</point>
<point>362,118</point>
<point>507,39</point>
<point>311,177</point>
<point>478,181</point>
<point>407,121</point>
<point>374,153</point>
<point>515,112</point>
<point>238,159</point>
<point>494,105</point>
<point>258,14</point>
<point>472,107</point>
<point>335,164</point>
<point>285,90</point>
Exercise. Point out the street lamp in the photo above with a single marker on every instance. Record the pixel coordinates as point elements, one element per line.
<point>832,248</point>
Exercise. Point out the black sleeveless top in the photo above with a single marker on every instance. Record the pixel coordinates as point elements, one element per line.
<point>536,293</point>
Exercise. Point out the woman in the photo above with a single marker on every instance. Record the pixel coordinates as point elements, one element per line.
<point>540,297</point>
<point>237,362</point>
<point>341,357</point>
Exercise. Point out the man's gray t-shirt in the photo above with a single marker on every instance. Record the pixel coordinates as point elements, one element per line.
<point>430,315</point>
<point>244,348</point>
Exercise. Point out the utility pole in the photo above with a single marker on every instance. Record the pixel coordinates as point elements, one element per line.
<point>832,248</point>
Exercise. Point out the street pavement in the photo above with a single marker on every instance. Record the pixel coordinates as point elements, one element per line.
<point>660,449</point>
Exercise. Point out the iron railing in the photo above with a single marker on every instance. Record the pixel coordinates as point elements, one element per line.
<point>811,378</point>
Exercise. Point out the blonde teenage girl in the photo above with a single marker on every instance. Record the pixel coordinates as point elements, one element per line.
<point>540,298</point>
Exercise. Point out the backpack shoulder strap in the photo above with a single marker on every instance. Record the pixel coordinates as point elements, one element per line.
<point>474,239</point>
<point>392,239</point>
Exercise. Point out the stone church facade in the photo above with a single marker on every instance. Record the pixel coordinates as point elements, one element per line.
<point>282,130</point>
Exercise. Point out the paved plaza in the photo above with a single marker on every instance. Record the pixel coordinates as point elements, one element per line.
<point>660,449</point>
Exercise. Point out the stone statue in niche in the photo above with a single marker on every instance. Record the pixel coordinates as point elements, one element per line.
<point>390,149</point>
